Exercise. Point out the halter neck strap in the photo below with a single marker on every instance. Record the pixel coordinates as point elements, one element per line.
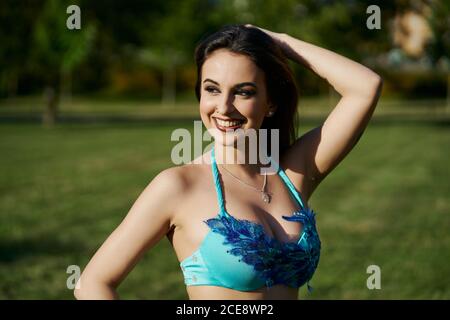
<point>280,172</point>
<point>217,184</point>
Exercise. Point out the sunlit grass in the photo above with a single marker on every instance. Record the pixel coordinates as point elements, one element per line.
<point>64,190</point>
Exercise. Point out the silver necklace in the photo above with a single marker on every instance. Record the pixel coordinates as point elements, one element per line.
<point>265,196</point>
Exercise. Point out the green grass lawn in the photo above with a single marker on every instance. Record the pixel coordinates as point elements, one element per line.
<point>64,190</point>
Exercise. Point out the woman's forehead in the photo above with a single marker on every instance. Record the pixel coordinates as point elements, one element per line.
<point>226,67</point>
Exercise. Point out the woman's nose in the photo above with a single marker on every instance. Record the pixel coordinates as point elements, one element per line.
<point>226,104</point>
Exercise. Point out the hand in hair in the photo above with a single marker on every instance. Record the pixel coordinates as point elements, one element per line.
<point>277,37</point>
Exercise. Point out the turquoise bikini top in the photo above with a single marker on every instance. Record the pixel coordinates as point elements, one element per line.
<point>238,254</point>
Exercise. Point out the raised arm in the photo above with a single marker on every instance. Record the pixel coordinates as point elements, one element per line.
<point>148,220</point>
<point>321,149</point>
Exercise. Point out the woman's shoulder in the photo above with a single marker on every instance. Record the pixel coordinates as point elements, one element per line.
<point>178,184</point>
<point>182,178</point>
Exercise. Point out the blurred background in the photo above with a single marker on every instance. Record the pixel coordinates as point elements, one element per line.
<point>86,117</point>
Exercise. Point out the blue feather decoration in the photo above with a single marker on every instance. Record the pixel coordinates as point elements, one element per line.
<point>291,263</point>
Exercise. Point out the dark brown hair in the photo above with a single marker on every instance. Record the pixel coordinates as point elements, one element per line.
<point>268,56</point>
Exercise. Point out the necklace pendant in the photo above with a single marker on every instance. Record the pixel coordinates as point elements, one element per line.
<point>266,197</point>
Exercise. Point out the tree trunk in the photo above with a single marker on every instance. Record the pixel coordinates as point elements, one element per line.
<point>51,110</point>
<point>66,88</point>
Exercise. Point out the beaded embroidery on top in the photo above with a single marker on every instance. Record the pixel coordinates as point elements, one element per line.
<point>289,263</point>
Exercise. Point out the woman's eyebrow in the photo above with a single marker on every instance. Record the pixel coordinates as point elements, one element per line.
<point>239,85</point>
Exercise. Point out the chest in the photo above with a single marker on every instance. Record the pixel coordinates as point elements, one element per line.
<point>242,202</point>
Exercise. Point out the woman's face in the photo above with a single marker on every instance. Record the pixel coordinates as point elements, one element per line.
<point>233,95</point>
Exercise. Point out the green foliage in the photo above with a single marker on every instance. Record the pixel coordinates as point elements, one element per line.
<point>161,35</point>
<point>17,19</point>
<point>439,21</point>
<point>78,47</point>
<point>57,49</point>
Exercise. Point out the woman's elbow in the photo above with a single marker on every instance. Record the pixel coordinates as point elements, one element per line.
<point>88,289</point>
<point>375,83</point>
<point>80,293</point>
<point>371,90</point>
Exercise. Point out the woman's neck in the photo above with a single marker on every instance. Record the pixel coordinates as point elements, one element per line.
<point>248,163</point>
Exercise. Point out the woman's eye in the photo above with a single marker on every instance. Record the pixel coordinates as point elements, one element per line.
<point>246,93</point>
<point>210,89</point>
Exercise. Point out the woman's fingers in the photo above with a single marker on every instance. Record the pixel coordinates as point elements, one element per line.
<point>270,33</point>
<point>277,37</point>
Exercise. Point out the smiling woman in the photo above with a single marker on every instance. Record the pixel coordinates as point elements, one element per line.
<point>247,54</point>
<point>227,104</point>
<point>231,242</point>
<point>224,124</point>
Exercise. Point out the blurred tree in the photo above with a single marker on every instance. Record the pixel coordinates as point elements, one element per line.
<point>160,36</point>
<point>439,50</point>
<point>120,25</point>
<point>57,51</point>
<point>170,40</point>
<point>439,20</point>
<point>16,24</point>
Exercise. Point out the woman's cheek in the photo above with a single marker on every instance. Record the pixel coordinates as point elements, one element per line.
<point>251,109</point>
<point>206,110</point>
<point>206,103</point>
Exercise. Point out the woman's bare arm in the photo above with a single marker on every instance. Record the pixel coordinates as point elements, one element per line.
<point>321,149</point>
<point>148,220</point>
<point>324,147</point>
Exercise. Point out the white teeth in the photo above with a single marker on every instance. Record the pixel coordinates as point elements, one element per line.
<point>228,123</point>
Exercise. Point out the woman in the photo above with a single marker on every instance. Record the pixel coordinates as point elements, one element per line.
<point>237,233</point>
